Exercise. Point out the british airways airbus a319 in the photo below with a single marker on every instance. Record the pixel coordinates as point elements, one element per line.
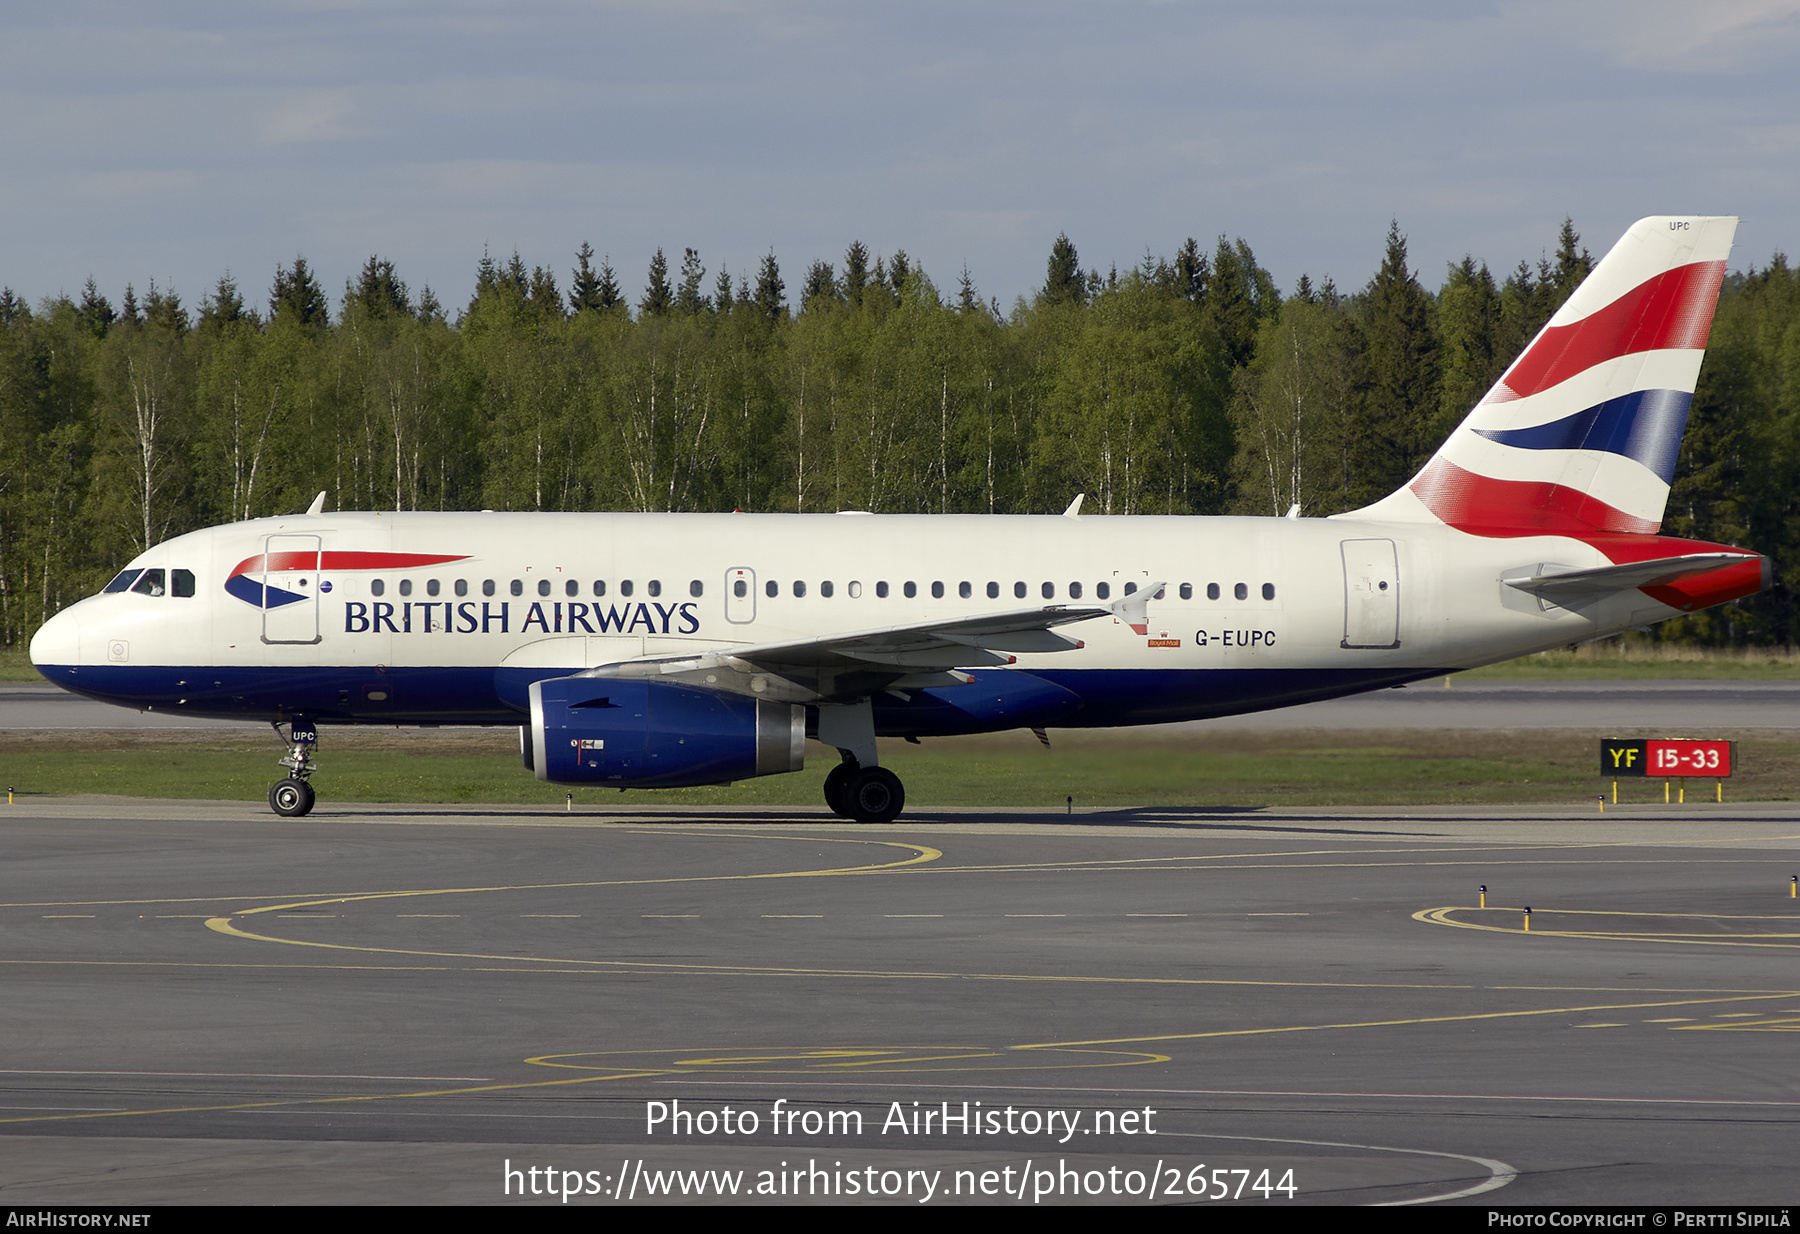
<point>665,650</point>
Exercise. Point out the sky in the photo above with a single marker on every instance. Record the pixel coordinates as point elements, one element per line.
<point>177,141</point>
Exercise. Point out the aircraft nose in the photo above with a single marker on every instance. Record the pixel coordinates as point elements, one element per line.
<point>57,644</point>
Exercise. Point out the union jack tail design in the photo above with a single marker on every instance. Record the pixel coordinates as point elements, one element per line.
<point>1580,435</point>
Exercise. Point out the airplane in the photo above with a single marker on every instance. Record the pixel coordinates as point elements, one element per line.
<point>668,650</point>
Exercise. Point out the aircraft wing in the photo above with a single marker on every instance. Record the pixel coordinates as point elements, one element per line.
<point>1565,587</point>
<point>856,664</point>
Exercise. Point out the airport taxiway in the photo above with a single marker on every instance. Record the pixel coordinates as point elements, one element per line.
<point>403,1004</point>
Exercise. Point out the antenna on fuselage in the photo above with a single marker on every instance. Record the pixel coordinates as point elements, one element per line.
<point>318,505</point>
<point>1074,510</point>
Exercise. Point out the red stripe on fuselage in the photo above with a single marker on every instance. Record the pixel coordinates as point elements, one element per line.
<point>1672,310</point>
<point>330,560</point>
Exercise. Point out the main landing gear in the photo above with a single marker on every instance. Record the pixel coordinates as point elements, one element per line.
<point>866,794</point>
<point>293,797</point>
<point>857,787</point>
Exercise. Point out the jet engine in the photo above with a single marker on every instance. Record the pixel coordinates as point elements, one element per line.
<point>644,734</point>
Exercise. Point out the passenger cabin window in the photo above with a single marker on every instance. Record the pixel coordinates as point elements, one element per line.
<point>655,587</point>
<point>1019,590</point>
<point>625,587</point>
<point>698,589</point>
<point>406,586</point>
<point>543,586</point>
<point>964,590</point>
<point>462,586</point>
<point>599,586</point>
<point>740,589</point>
<point>571,588</point>
<point>855,590</point>
<point>1049,591</point>
<point>993,591</point>
<point>1241,592</point>
<point>1103,590</point>
<point>518,588</point>
<point>377,587</point>
<point>937,591</point>
<point>1187,591</point>
<point>799,589</point>
<point>825,589</point>
<point>1268,591</point>
<point>911,590</point>
<point>1074,591</point>
<point>1212,591</point>
<point>487,586</point>
<point>431,587</point>
<point>772,589</point>
<point>881,591</point>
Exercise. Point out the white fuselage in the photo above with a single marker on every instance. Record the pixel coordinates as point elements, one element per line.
<point>1254,612</point>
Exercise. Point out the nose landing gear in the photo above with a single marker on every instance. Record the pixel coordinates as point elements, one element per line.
<point>293,797</point>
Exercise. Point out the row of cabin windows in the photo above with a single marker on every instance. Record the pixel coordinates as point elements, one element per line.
<point>571,587</point>
<point>154,582</point>
<point>157,582</point>
<point>1020,590</point>
<point>741,589</point>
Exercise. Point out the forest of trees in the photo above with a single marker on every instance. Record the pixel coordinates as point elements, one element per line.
<point>1188,384</point>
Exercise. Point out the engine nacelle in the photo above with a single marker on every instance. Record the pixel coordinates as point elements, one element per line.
<point>645,734</point>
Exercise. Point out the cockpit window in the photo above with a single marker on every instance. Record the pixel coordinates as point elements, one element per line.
<point>125,579</point>
<point>182,583</point>
<point>150,583</point>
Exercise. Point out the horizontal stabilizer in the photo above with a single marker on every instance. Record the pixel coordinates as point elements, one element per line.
<point>1561,586</point>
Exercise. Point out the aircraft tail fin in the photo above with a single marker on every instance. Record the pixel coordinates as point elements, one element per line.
<point>1581,433</point>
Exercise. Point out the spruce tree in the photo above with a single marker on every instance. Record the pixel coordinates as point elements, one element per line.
<point>1192,272</point>
<point>299,293</point>
<point>899,269</point>
<point>164,309</point>
<point>820,286</point>
<point>967,300</point>
<point>657,296</point>
<point>1404,391</point>
<point>689,300</point>
<point>1063,280</point>
<point>612,296</point>
<point>378,293</point>
<point>95,313</point>
<point>544,298</point>
<point>224,306</point>
<point>856,271</point>
<point>584,282</point>
<point>771,292</point>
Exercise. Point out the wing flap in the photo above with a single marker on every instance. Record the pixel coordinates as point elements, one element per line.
<point>859,663</point>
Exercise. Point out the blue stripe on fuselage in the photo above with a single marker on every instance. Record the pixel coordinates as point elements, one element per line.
<point>998,699</point>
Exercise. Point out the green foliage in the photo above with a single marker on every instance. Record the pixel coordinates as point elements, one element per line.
<point>1182,385</point>
<point>1063,281</point>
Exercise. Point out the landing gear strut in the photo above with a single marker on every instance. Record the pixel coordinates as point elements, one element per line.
<point>293,797</point>
<point>858,788</point>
